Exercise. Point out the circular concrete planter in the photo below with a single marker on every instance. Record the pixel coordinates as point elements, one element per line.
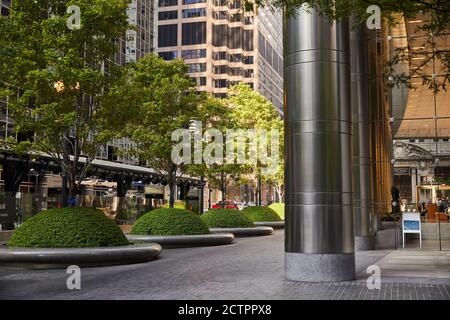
<point>55,258</point>
<point>273,224</point>
<point>185,240</point>
<point>245,232</point>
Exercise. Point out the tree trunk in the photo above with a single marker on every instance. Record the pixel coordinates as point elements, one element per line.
<point>279,193</point>
<point>64,191</point>
<point>172,193</point>
<point>70,184</point>
<point>201,195</point>
<point>259,191</point>
<point>223,189</point>
<point>172,183</point>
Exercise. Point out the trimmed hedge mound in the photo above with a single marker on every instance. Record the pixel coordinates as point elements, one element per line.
<point>226,218</point>
<point>68,228</point>
<point>261,214</point>
<point>278,207</point>
<point>170,222</point>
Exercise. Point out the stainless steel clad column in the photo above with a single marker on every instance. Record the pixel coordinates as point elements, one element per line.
<point>361,143</point>
<point>319,212</point>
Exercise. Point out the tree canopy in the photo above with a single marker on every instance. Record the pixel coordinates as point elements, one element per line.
<point>252,111</point>
<point>437,22</point>
<point>62,82</point>
<point>168,101</point>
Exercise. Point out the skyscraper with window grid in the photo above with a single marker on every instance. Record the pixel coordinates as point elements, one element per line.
<point>223,45</point>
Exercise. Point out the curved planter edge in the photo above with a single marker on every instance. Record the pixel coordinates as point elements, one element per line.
<point>58,258</point>
<point>245,232</point>
<point>185,240</point>
<point>273,224</point>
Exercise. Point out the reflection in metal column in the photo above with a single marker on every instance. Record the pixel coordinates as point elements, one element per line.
<point>380,132</point>
<point>319,211</point>
<point>361,153</point>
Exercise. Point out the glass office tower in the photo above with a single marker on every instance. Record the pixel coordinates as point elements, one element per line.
<point>224,45</point>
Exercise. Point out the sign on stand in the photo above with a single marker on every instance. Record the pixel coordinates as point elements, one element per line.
<point>411,224</point>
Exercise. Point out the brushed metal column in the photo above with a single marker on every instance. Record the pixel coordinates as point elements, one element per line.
<point>361,143</point>
<point>319,233</point>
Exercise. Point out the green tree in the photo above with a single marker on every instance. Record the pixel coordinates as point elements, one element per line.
<point>276,179</point>
<point>168,102</point>
<point>251,110</point>
<point>68,84</point>
<point>217,115</point>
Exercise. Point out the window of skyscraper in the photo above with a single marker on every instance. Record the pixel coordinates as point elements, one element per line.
<point>280,66</point>
<point>193,54</point>
<point>220,33</point>
<point>167,15</point>
<point>235,72</point>
<point>248,60</point>
<point>220,3</point>
<point>233,83</point>
<point>248,20</point>
<point>168,55</point>
<point>235,17</point>
<point>221,55</point>
<point>220,15</point>
<point>168,3</point>
<point>235,38</point>
<point>237,57</point>
<point>194,13</point>
<point>236,4</point>
<point>194,33</point>
<point>167,35</point>
<point>197,67</point>
<point>262,45</point>
<point>275,61</point>
<point>248,73</point>
<point>199,81</point>
<point>220,69</point>
<point>248,40</point>
<point>193,1</point>
<point>220,83</point>
<point>269,53</point>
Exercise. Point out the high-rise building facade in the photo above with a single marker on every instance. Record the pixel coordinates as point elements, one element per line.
<point>137,42</point>
<point>134,45</point>
<point>223,45</point>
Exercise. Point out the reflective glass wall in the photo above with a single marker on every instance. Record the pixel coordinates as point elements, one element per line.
<point>417,74</point>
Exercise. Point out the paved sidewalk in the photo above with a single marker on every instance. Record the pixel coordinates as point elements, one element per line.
<point>252,268</point>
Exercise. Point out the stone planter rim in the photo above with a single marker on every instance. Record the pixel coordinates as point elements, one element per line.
<point>273,224</point>
<point>57,258</point>
<point>185,240</point>
<point>245,232</point>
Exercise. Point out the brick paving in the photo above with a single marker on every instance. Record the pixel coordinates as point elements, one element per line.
<point>252,268</point>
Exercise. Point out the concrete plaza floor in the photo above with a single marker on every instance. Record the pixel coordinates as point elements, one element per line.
<point>252,268</point>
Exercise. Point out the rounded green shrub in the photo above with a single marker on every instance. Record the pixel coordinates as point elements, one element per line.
<point>278,207</point>
<point>226,218</point>
<point>177,205</point>
<point>170,222</point>
<point>68,228</point>
<point>261,214</point>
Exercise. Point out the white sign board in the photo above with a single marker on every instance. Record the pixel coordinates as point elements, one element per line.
<point>411,224</point>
